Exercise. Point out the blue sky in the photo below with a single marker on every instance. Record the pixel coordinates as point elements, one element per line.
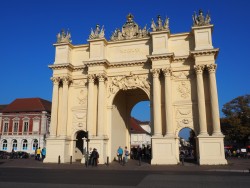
<point>29,28</point>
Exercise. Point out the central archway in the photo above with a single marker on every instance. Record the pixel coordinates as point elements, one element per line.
<point>123,103</point>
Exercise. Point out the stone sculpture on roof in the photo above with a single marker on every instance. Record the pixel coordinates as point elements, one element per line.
<point>130,30</point>
<point>160,26</point>
<point>201,20</point>
<point>97,33</point>
<point>64,37</point>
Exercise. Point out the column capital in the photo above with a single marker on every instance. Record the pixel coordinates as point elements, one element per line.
<point>156,72</point>
<point>199,69</point>
<point>91,78</point>
<point>66,80</point>
<point>211,68</point>
<point>55,80</point>
<point>101,77</point>
<point>167,71</point>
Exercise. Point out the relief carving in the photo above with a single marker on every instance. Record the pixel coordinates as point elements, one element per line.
<point>82,97</point>
<point>127,82</point>
<point>184,90</point>
<point>79,121</point>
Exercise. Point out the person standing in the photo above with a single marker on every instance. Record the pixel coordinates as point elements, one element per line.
<point>119,154</point>
<point>126,154</point>
<point>38,153</point>
<point>139,155</point>
<point>43,153</point>
<point>95,157</point>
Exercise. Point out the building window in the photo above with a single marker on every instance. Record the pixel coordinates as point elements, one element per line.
<point>14,144</point>
<point>36,126</point>
<point>35,144</point>
<point>6,128</point>
<point>15,128</point>
<point>25,144</point>
<point>5,145</point>
<point>26,127</point>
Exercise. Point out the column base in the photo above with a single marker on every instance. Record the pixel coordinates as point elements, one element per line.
<point>57,147</point>
<point>164,151</point>
<point>211,150</point>
<point>100,143</point>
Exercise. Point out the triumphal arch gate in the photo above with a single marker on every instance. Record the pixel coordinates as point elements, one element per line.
<point>96,85</point>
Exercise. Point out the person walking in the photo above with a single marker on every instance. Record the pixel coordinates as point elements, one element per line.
<point>119,154</point>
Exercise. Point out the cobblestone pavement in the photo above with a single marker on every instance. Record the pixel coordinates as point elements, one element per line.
<point>234,165</point>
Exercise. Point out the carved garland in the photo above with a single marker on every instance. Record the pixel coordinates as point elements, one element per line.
<point>126,83</point>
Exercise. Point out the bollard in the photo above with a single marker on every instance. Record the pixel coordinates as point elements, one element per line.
<point>59,159</point>
<point>107,161</point>
<point>70,159</point>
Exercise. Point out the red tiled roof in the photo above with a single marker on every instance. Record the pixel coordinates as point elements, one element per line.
<point>2,106</point>
<point>135,126</point>
<point>28,105</point>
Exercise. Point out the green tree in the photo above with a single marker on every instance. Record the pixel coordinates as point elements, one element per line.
<point>236,123</point>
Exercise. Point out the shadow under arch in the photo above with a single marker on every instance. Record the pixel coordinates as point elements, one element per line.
<point>80,145</point>
<point>187,147</point>
<point>123,102</point>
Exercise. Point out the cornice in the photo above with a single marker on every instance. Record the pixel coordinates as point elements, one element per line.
<point>78,68</point>
<point>103,62</point>
<point>129,63</point>
<point>180,59</point>
<point>199,53</point>
<point>68,66</point>
<point>63,44</point>
<point>166,56</point>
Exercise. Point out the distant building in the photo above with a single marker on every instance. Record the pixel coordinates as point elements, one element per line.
<point>24,124</point>
<point>139,133</point>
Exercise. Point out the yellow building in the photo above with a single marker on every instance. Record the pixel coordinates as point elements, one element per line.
<point>97,84</point>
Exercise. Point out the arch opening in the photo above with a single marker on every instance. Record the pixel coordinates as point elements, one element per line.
<point>123,103</point>
<point>80,145</point>
<point>187,145</point>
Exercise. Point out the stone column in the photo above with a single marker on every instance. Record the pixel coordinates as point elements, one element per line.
<point>157,103</point>
<point>214,99</point>
<point>65,81</point>
<point>201,100</point>
<point>54,110</point>
<point>168,102</point>
<point>101,103</point>
<point>90,117</point>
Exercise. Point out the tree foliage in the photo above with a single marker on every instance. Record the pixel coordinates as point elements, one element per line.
<point>236,124</point>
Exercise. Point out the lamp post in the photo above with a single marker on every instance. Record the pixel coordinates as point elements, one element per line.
<point>86,138</point>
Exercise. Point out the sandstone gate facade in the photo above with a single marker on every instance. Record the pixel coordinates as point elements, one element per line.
<point>97,84</point>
